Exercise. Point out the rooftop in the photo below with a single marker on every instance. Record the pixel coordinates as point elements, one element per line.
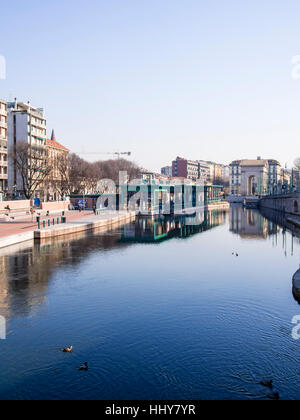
<point>261,162</point>
<point>56,145</point>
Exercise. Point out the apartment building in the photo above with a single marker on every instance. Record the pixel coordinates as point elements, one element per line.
<point>184,168</point>
<point>275,173</point>
<point>25,124</point>
<point>200,170</point>
<point>204,172</point>
<point>57,155</point>
<point>167,171</point>
<point>3,149</point>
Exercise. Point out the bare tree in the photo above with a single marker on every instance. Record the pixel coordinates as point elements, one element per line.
<point>33,167</point>
<point>83,176</point>
<point>297,164</point>
<point>61,184</point>
<point>110,169</point>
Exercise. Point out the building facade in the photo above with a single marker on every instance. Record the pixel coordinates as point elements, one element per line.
<point>200,170</point>
<point>236,178</point>
<point>167,171</point>
<point>57,155</point>
<point>204,172</point>
<point>28,125</point>
<point>183,168</point>
<point>3,150</point>
<point>254,177</point>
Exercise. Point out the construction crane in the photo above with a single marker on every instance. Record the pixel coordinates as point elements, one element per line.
<point>115,154</point>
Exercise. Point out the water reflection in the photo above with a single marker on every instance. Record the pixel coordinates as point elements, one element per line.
<point>260,225</point>
<point>173,319</point>
<point>26,270</point>
<point>147,229</point>
<point>250,224</point>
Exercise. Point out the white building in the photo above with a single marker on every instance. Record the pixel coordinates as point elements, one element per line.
<point>226,173</point>
<point>25,124</point>
<point>204,171</point>
<point>3,149</point>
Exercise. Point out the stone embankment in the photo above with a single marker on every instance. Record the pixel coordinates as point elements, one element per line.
<point>12,233</point>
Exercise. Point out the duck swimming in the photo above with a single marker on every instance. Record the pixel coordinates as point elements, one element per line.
<point>267,384</point>
<point>68,349</point>
<point>85,367</point>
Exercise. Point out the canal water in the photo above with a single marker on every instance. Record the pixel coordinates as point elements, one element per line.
<point>158,309</point>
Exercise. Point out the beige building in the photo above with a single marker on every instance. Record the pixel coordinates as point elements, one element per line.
<point>58,158</point>
<point>254,177</point>
<point>3,149</point>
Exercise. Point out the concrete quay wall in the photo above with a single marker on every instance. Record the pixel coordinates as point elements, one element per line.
<point>105,220</point>
<point>288,203</point>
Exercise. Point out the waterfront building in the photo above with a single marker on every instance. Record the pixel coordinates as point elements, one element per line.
<point>167,171</point>
<point>3,150</point>
<point>274,176</point>
<point>204,172</point>
<point>25,124</point>
<point>184,168</point>
<point>57,155</point>
<point>150,198</point>
<point>225,173</point>
<point>236,177</point>
<point>254,177</point>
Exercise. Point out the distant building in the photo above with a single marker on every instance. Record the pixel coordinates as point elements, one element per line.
<point>204,172</point>
<point>236,178</point>
<point>58,159</point>
<point>200,170</point>
<point>167,170</point>
<point>218,172</point>
<point>254,177</point>
<point>226,173</point>
<point>25,124</point>
<point>184,168</point>
<point>3,150</point>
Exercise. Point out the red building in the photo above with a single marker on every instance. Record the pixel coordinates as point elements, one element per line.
<point>184,168</point>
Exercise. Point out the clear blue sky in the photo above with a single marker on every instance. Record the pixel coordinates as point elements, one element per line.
<point>161,78</point>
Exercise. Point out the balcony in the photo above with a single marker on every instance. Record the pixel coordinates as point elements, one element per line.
<point>3,176</point>
<point>3,124</point>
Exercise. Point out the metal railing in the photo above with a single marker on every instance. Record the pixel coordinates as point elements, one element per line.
<point>50,222</point>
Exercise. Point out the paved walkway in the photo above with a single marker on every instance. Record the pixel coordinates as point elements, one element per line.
<point>29,224</point>
<point>14,232</point>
